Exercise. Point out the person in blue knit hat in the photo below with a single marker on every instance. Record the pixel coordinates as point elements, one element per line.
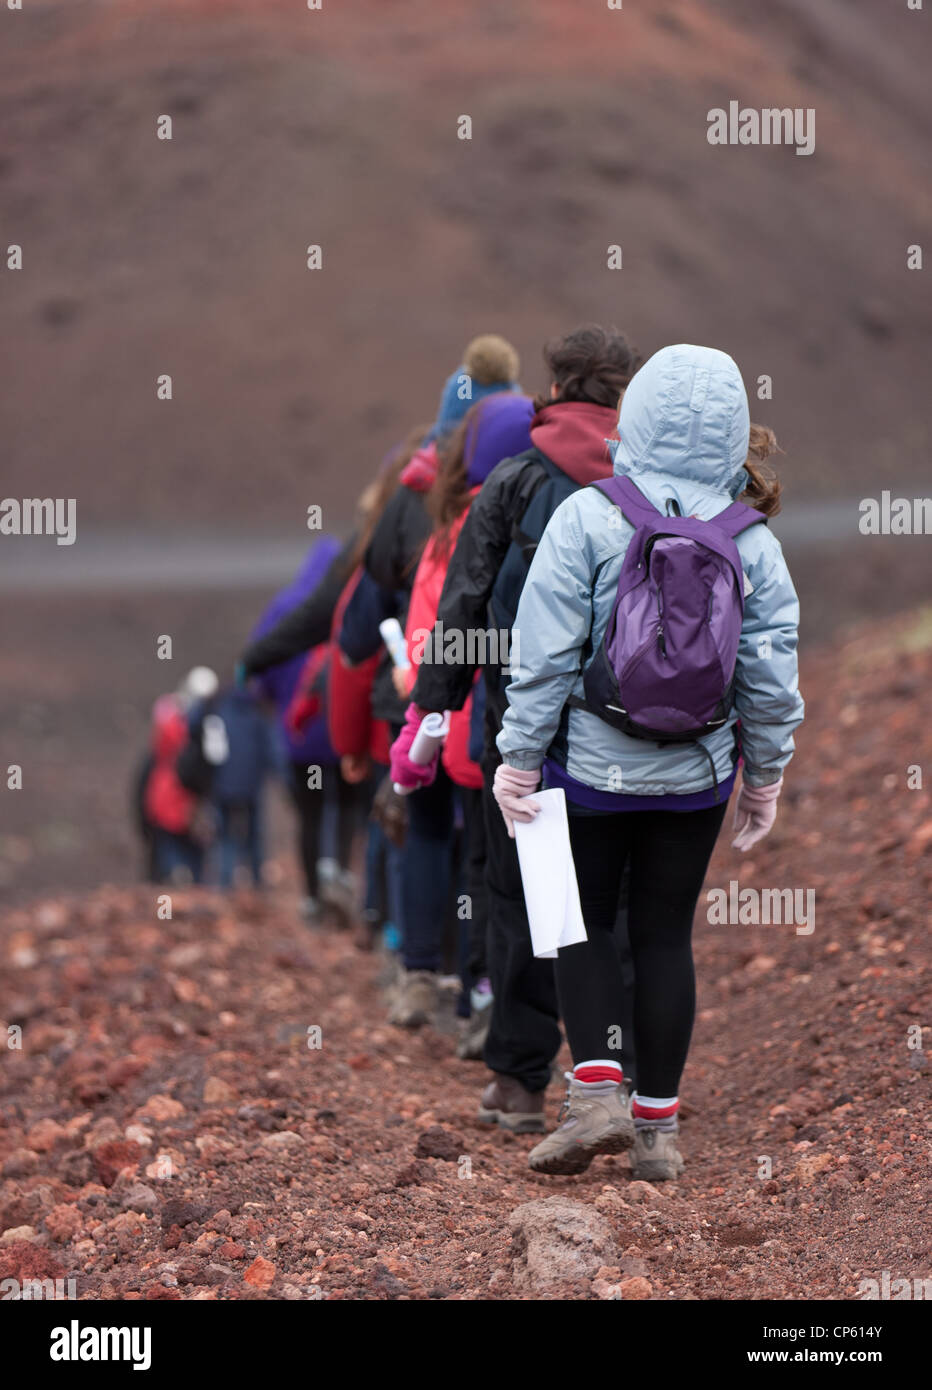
<point>490,364</point>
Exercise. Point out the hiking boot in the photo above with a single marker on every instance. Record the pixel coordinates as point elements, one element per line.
<point>416,999</point>
<point>591,1122</point>
<point>472,1039</point>
<point>507,1103</point>
<point>656,1157</point>
<point>475,1029</point>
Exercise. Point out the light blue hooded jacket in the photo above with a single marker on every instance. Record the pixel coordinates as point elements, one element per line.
<point>684,429</point>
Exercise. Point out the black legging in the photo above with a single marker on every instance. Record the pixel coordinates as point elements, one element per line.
<point>669,853</point>
<point>309,804</point>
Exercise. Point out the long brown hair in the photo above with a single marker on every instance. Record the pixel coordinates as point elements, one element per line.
<point>764,487</point>
<point>449,496</point>
<point>375,496</point>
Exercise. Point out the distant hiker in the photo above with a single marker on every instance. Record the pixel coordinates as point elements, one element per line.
<point>589,369</point>
<point>243,746</point>
<point>146,830</point>
<point>326,806</point>
<point>655,615</point>
<point>498,427</point>
<point>362,740</point>
<point>169,807</point>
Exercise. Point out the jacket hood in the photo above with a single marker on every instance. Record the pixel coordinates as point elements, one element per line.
<point>685,414</point>
<point>420,472</point>
<point>499,428</point>
<point>573,435</point>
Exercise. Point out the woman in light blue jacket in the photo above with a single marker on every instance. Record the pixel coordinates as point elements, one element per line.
<point>659,805</point>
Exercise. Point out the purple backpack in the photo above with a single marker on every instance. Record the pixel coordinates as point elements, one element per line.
<point>666,666</point>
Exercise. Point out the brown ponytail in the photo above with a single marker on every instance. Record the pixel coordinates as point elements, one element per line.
<point>764,487</point>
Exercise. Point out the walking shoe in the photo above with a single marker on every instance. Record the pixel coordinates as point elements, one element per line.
<point>310,910</point>
<point>591,1122</point>
<point>337,891</point>
<point>416,999</point>
<point>472,1039</point>
<point>656,1157</point>
<point>507,1103</point>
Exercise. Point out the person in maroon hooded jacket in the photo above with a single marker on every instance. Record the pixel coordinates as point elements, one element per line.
<point>589,370</point>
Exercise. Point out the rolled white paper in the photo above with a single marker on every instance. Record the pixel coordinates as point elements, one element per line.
<point>433,730</point>
<point>394,639</point>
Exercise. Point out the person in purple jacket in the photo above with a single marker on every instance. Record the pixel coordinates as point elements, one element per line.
<point>326,806</point>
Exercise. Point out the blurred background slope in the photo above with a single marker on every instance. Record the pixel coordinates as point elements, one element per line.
<point>338,127</point>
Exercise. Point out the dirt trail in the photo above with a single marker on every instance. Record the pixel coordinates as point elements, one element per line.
<point>168,1132</point>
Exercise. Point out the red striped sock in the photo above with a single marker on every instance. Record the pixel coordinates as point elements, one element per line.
<point>653,1112</point>
<point>598,1073</point>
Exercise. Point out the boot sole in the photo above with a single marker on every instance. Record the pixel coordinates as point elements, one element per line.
<point>577,1159</point>
<point>517,1122</point>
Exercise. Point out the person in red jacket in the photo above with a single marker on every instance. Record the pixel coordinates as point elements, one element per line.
<point>169,807</point>
<point>496,427</point>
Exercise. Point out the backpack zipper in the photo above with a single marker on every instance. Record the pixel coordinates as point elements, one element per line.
<point>661,642</point>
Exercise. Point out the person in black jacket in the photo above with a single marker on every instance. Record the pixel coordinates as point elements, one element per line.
<point>590,369</point>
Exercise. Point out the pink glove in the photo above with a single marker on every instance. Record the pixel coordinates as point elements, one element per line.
<point>755,813</point>
<point>404,771</point>
<point>511,789</point>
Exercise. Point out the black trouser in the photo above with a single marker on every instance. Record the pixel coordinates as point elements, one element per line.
<point>474,877</point>
<point>310,803</point>
<point>524,1035</point>
<point>669,853</point>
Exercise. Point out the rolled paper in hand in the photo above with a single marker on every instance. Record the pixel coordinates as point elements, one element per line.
<point>394,639</point>
<point>434,729</point>
<point>429,737</point>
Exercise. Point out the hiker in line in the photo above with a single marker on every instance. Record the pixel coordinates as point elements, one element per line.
<point>244,750</point>
<point>489,369</point>
<point>496,428</point>
<point>655,616</point>
<point>490,366</point>
<point>362,740</point>
<point>589,369</point>
<point>325,805</point>
<point>170,808</point>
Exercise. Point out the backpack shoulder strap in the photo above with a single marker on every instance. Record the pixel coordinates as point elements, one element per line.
<point>629,499</point>
<point>737,518</point>
<point>547,472</point>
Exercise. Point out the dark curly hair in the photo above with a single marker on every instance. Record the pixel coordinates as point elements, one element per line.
<point>592,364</point>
